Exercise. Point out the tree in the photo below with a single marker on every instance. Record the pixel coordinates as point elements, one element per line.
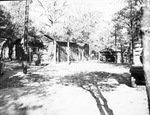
<point>130,18</point>
<point>120,37</point>
<point>52,11</point>
<point>146,29</point>
<point>35,38</point>
<point>6,25</point>
<point>17,11</point>
<point>6,30</point>
<point>86,27</point>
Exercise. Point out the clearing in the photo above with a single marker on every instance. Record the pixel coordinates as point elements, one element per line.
<point>84,88</point>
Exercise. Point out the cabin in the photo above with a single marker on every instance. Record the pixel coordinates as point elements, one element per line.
<point>58,51</point>
<point>107,55</point>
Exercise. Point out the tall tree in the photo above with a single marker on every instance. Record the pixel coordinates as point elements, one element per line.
<point>52,12</point>
<point>17,11</point>
<point>146,29</point>
<point>6,30</point>
<point>86,27</point>
<point>130,18</point>
<point>120,37</point>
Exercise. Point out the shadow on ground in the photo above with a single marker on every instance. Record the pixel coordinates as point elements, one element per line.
<point>21,101</point>
<point>27,86</point>
<point>17,85</point>
<point>95,83</point>
<point>125,65</point>
<point>13,76</point>
<point>23,93</point>
<point>99,77</point>
<point>21,80</point>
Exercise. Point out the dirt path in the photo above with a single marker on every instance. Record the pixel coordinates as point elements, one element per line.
<point>63,89</point>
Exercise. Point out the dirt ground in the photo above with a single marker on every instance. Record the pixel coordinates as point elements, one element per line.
<point>85,88</point>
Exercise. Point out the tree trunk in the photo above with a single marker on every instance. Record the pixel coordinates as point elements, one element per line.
<point>10,47</point>
<point>54,52</point>
<point>146,29</point>
<point>89,54</point>
<point>10,52</point>
<point>3,50</point>
<point>68,52</point>
<point>25,49</point>
<point>122,57</point>
<point>129,53</point>
<point>147,64</point>
<point>58,53</point>
<point>82,55</point>
<point>79,54</point>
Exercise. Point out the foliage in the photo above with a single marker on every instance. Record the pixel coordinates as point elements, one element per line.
<point>6,26</point>
<point>51,12</point>
<point>86,27</point>
<point>17,10</point>
<point>36,43</point>
<point>13,24</point>
<point>6,30</point>
<point>130,18</point>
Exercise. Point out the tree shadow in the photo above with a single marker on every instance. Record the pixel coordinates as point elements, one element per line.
<point>13,76</point>
<point>124,65</point>
<point>9,71</point>
<point>17,103</point>
<point>17,85</point>
<point>95,83</point>
<point>21,80</point>
<point>21,88</point>
<point>11,65</point>
<point>11,107</point>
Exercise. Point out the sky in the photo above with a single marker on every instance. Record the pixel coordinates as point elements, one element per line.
<point>106,7</point>
<point>99,5</point>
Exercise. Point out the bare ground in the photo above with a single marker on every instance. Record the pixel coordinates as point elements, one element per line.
<point>85,88</point>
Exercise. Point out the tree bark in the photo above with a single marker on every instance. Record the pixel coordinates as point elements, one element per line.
<point>146,29</point>
<point>68,52</point>
<point>122,57</point>
<point>147,65</point>
<point>54,52</point>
